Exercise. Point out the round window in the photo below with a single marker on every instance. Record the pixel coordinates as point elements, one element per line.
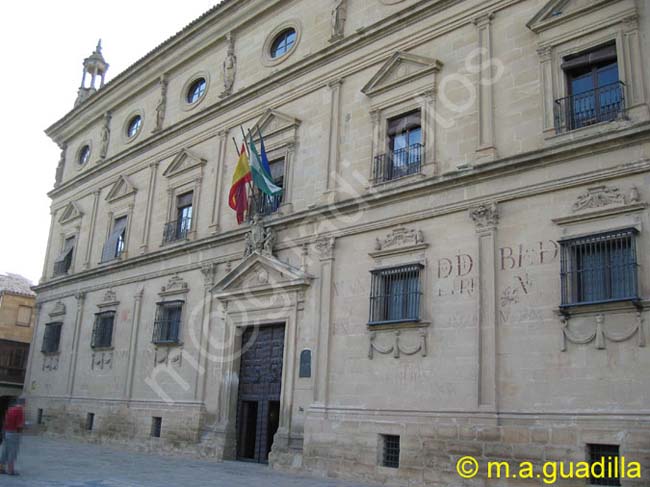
<point>84,154</point>
<point>196,90</point>
<point>283,43</point>
<point>134,126</point>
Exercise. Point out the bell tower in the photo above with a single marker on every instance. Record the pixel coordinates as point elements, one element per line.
<point>94,72</point>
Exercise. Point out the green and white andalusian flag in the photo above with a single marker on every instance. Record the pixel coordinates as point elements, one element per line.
<point>261,178</point>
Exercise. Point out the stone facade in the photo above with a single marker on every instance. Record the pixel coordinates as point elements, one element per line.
<point>493,366</point>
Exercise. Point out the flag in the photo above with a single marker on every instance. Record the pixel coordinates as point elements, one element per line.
<point>261,175</point>
<point>238,199</point>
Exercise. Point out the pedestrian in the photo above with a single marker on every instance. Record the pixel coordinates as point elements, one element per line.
<point>13,426</point>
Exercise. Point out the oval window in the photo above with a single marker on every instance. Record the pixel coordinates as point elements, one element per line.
<point>84,154</point>
<point>196,90</point>
<point>134,126</point>
<point>283,43</point>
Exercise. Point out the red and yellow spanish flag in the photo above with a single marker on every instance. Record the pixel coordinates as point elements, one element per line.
<point>238,199</point>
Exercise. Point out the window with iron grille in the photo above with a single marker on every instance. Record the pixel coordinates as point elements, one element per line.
<point>51,337</point>
<point>180,228</point>
<point>63,262</point>
<point>390,453</point>
<point>103,330</point>
<point>596,93</point>
<point>156,427</point>
<point>168,322</point>
<point>404,144</point>
<point>604,455</point>
<point>263,204</point>
<point>599,268</point>
<point>395,294</point>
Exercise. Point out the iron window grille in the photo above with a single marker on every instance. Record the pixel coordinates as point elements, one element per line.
<point>262,204</point>
<point>395,295</point>
<point>404,156</point>
<point>179,229</point>
<point>599,268</point>
<point>103,330</point>
<point>608,454</point>
<point>390,453</point>
<point>156,427</point>
<point>168,323</point>
<point>51,338</point>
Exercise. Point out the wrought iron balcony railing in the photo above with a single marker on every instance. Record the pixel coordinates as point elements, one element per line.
<point>397,164</point>
<point>177,230</point>
<point>603,104</point>
<point>263,205</point>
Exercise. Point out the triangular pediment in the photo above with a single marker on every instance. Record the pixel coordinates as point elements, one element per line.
<point>122,188</point>
<point>273,122</point>
<point>183,162</point>
<point>399,69</point>
<point>560,11</point>
<point>260,274</point>
<point>70,212</point>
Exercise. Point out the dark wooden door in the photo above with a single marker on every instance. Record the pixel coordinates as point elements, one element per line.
<point>260,385</point>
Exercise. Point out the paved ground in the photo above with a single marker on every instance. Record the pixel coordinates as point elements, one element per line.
<point>45,462</point>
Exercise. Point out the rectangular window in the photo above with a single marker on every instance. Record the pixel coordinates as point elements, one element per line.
<point>103,330</point>
<point>90,421</point>
<point>51,337</point>
<point>395,294</point>
<point>607,456</point>
<point>24,316</point>
<point>63,262</point>
<point>390,453</point>
<point>168,322</point>
<point>404,148</point>
<point>116,242</point>
<point>599,268</point>
<point>595,93</point>
<point>263,204</point>
<point>39,416</point>
<point>156,427</point>
<point>181,226</point>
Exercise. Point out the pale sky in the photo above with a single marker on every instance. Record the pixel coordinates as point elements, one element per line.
<point>42,47</point>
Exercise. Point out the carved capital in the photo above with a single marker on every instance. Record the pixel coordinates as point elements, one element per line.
<point>545,54</point>
<point>209,271</point>
<point>485,216</point>
<point>483,19</point>
<point>325,247</point>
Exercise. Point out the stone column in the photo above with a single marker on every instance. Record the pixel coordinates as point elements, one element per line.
<point>133,345</point>
<point>72,368</point>
<point>218,182</point>
<point>486,150</point>
<point>27,386</point>
<point>334,136</point>
<point>208,271</point>
<point>631,64</point>
<point>287,205</point>
<point>375,117</point>
<point>325,248</point>
<point>146,227</point>
<point>486,218</point>
<point>91,233</point>
<point>48,250</point>
<point>545,55</point>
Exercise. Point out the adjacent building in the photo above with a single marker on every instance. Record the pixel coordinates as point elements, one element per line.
<point>17,320</point>
<point>457,264</point>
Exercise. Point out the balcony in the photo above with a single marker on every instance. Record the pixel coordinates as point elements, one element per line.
<point>12,375</point>
<point>397,164</point>
<point>602,104</point>
<point>263,205</point>
<point>177,230</point>
<point>13,362</point>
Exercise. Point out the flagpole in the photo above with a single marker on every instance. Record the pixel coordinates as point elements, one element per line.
<point>236,147</point>
<point>251,191</point>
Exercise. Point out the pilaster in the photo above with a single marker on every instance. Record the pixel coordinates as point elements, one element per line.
<point>486,150</point>
<point>72,367</point>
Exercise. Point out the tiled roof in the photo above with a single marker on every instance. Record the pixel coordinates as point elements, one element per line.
<point>15,284</point>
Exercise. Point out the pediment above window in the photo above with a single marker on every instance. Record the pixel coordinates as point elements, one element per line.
<point>400,69</point>
<point>184,162</point>
<point>122,188</point>
<point>260,274</point>
<point>70,213</point>
<point>276,125</point>
<point>557,12</point>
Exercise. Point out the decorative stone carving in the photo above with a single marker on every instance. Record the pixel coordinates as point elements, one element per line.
<point>176,284</point>
<point>325,247</point>
<point>209,271</point>
<point>259,239</point>
<point>339,16</point>
<point>168,356</point>
<point>485,216</point>
<point>101,360</point>
<point>600,335</point>
<point>229,67</point>
<point>58,310</point>
<point>161,107</point>
<point>105,135</point>
<point>396,348</point>
<point>70,212</point>
<point>599,196</point>
<point>633,195</point>
<point>400,237</point>
<point>60,166</point>
<point>50,363</point>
